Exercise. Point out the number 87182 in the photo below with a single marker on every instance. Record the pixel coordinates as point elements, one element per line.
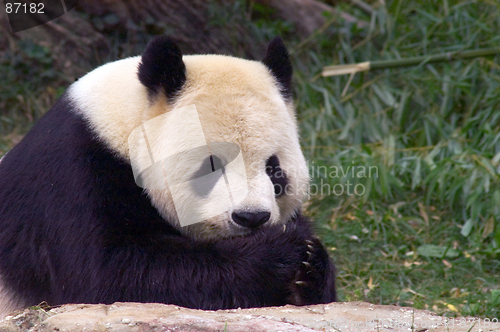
<point>34,8</point>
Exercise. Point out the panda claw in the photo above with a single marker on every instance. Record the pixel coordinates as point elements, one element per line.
<point>307,264</point>
<point>309,242</point>
<point>310,247</point>
<point>309,254</point>
<point>301,283</point>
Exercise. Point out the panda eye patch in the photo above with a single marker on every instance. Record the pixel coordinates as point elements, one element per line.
<point>204,186</point>
<point>277,175</point>
<point>209,165</point>
<point>272,163</point>
<point>214,163</point>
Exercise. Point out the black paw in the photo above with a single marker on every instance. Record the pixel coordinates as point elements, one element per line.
<point>314,277</point>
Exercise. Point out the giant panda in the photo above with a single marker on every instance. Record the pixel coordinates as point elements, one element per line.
<point>86,216</point>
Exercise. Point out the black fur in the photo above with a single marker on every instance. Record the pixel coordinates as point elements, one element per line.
<point>162,66</point>
<point>278,61</point>
<point>277,175</point>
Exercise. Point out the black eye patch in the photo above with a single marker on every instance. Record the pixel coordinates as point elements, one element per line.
<point>212,166</point>
<point>277,175</point>
<point>204,186</point>
<point>209,165</point>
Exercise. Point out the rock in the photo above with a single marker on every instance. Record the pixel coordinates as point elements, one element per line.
<point>344,317</point>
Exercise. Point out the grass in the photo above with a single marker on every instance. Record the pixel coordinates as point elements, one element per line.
<point>423,230</point>
<point>29,87</point>
<point>405,162</point>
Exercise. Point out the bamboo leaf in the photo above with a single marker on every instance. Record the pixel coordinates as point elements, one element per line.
<point>431,250</point>
<point>467,227</point>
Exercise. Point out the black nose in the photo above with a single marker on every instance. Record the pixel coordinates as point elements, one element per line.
<point>250,219</point>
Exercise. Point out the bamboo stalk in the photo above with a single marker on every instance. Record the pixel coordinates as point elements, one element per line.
<point>419,60</point>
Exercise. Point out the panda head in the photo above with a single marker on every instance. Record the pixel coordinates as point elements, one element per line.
<point>212,139</point>
<point>223,134</point>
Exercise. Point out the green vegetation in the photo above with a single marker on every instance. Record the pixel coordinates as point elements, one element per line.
<point>423,228</point>
<point>29,87</point>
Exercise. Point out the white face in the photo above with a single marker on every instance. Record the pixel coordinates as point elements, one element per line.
<point>239,105</point>
<point>242,121</point>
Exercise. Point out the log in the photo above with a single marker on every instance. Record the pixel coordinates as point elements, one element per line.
<point>344,317</point>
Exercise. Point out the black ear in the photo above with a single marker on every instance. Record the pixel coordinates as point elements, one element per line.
<point>278,61</point>
<point>162,67</point>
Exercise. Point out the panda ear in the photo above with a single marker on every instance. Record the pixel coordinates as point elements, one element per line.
<point>278,61</point>
<point>162,67</point>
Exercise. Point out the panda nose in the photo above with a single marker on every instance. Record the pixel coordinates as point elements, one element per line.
<point>250,219</point>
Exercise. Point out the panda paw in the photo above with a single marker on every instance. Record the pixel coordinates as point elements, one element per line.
<point>308,284</point>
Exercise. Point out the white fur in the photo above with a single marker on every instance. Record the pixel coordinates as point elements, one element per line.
<point>237,100</point>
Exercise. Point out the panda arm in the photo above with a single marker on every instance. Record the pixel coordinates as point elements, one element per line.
<point>252,271</point>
